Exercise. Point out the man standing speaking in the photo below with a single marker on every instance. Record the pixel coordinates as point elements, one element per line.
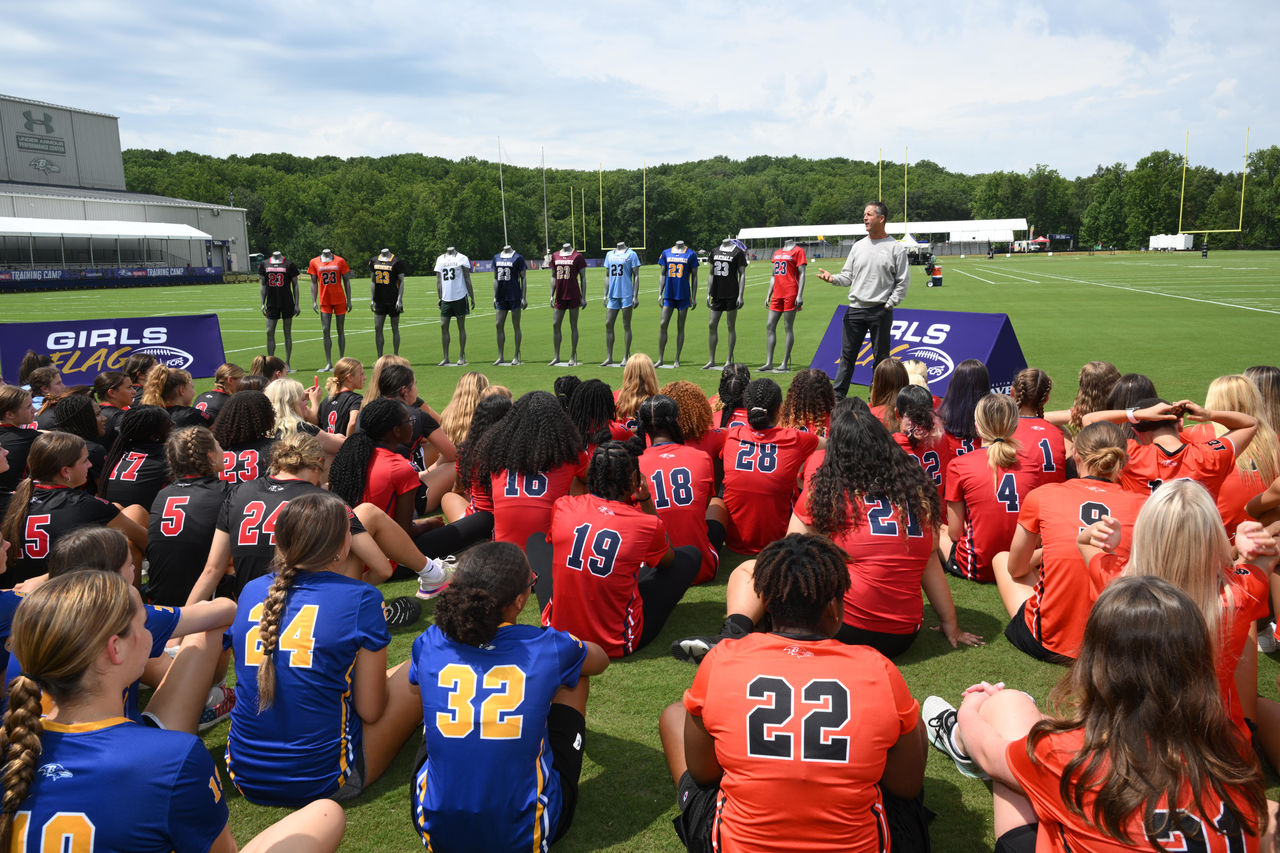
<point>877,274</point>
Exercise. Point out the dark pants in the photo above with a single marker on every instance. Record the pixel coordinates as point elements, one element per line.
<point>857,322</point>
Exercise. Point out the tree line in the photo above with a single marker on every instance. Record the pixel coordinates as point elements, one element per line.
<point>418,205</point>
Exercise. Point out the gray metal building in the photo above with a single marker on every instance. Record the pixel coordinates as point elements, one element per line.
<point>66,164</point>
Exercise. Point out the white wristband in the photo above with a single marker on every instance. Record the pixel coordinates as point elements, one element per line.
<point>1129,413</point>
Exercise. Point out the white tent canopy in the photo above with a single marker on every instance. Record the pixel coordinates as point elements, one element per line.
<point>106,229</point>
<point>966,226</point>
<point>994,235</point>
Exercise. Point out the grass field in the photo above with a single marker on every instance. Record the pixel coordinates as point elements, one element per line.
<point>1177,317</point>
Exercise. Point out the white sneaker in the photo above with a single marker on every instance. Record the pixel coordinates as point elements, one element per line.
<point>441,569</point>
<point>940,718</point>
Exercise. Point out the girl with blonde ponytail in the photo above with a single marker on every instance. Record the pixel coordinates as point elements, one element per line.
<point>81,639</point>
<point>341,405</point>
<point>985,491</point>
<point>317,712</point>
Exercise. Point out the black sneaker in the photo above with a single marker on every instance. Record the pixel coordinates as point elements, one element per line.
<point>693,649</point>
<point>402,611</point>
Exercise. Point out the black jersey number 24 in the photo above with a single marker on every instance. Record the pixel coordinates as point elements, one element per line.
<point>770,733</point>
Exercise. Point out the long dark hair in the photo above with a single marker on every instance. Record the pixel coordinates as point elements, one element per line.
<point>488,579</point>
<point>862,460</point>
<point>247,416</point>
<point>591,409</point>
<point>76,414</point>
<point>489,411</point>
<point>535,436</point>
<point>1144,693</point>
<point>350,469</point>
<point>734,379</point>
<point>49,454</point>
<point>969,384</point>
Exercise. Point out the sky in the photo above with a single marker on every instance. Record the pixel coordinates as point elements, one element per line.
<point>972,86</point>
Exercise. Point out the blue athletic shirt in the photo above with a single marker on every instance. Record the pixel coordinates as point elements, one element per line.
<point>117,785</point>
<point>488,782</point>
<point>620,268</point>
<point>676,268</point>
<point>304,746</point>
<point>506,275</point>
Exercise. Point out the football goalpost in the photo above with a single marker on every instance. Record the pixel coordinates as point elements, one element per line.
<point>1244,174</point>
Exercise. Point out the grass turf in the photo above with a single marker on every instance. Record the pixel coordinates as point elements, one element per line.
<point>1177,317</point>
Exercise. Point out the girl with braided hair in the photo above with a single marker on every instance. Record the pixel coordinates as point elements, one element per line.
<point>79,415</point>
<point>172,390</point>
<point>809,402</point>
<point>1042,447</point>
<point>184,515</point>
<point>246,430</point>
<point>317,714</point>
<point>530,458</point>
<point>595,414</point>
<point>483,784</point>
<point>734,379</point>
<point>368,470</point>
<point>606,571</point>
<point>681,480</point>
<point>761,463</point>
<point>16,413</point>
<point>135,470</point>
<point>226,381</point>
<point>50,503</point>
<point>114,393</point>
<point>81,640</point>
<point>985,491</point>
<point>852,781</point>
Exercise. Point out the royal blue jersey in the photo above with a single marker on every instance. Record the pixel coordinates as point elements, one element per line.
<point>305,745</point>
<point>620,268</point>
<point>506,276</point>
<point>676,268</point>
<point>117,785</point>
<point>161,622</point>
<point>488,782</point>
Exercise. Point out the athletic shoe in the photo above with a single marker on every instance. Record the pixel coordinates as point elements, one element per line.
<point>940,718</point>
<point>428,590</point>
<point>694,649</point>
<point>1267,639</point>
<point>401,611</point>
<point>217,707</point>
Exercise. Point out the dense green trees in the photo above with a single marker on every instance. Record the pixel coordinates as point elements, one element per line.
<point>418,205</point>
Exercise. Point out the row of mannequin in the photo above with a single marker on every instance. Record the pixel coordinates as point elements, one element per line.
<point>678,285</point>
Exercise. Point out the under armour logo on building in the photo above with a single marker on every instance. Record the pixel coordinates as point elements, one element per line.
<point>32,121</point>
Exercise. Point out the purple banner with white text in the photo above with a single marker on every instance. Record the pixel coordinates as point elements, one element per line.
<point>940,339</point>
<point>82,349</point>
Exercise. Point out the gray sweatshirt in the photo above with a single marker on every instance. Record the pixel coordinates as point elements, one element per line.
<point>877,273</point>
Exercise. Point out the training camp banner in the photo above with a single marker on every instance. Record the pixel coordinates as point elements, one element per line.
<point>84,348</point>
<point>941,339</point>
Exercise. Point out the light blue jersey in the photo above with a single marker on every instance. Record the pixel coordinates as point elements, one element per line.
<point>620,268</point>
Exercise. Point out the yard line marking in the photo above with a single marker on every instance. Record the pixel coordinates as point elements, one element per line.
<point>1010,275</point>
<point>1170,295</point>
<point>971,275</point>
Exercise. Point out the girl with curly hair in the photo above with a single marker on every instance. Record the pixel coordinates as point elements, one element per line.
<point>694,415</point>
<point>521,785</point>
<point>809,402</point>
<point>531,457</point>
<point>246,430</point>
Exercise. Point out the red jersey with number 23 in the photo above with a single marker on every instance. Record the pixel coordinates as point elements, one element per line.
<point>599,547</point>
<point>786,270</point>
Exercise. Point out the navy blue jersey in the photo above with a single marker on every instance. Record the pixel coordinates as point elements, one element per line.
<point>53,512</point>
<point>116,785</point>
<point>488,782</point>
<point>179,532</point>
<point>305,745</point>
<point>506,276</point>
<point>139,476</point>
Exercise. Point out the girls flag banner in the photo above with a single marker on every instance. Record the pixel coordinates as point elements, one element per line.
<point>941,339</point>
<point>82,349</point>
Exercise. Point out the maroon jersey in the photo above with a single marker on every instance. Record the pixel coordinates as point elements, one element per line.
<point>564,276</point>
